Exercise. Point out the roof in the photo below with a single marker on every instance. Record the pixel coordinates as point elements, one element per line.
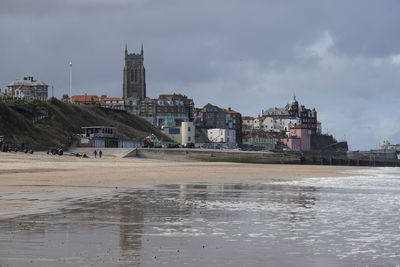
<point>262,118</point>
<point>176,97</point>
<point>231,111</point>
<point>247,118</point>
<point>112,99</point>
<point>85,98</point>
<point>276,111</point>
<point>27,81</point>
<point>211,108</point>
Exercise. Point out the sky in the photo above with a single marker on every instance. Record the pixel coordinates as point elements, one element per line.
<point>341,57</point>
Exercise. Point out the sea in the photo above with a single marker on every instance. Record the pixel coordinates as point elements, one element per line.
<point>331,221</point>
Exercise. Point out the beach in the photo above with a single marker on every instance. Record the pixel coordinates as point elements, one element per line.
<point>69,211</point>
<point>46,178</point>
<point>53,170</point>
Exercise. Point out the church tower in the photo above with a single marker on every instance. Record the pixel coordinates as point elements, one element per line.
<point>134,84</point>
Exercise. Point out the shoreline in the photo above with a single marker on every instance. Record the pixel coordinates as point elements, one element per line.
<point>40,183</point>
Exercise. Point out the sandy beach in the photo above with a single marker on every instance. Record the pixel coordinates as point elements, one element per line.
<point>27,181</point>
<point>69,211</point>
<point>49,170</point>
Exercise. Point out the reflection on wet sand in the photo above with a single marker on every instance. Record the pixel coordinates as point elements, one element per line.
<point>192,224</point>
<point>131,213</point>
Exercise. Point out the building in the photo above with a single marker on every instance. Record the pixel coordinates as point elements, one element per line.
<point>319,128</point>
<point>188,104</point>
<point>148,110</point>
<point>274,123</point>
<point>298,139</point>
<point>183,134</point>
<point>132,105</point>
<point>174,109</point>
<point>98,136</point>
<point>104,136</point>
<point>247,124</point>
<point>234,121</point>
<point>112,103</point>
<point>387,145</point>
<point>260,139</point>
<point>167,110</point>
<point>85,99</point>
<point>219,135</point>
<point>211,116</point>
<point>27,88</point>
<point>293,111</point>
<point>134,76</point>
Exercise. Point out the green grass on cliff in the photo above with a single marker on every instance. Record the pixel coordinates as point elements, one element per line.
<point>53,123</point>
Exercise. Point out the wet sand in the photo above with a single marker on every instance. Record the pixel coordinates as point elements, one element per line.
<point>27,180</point>
<point>337,221</point>
<point>68,211</point>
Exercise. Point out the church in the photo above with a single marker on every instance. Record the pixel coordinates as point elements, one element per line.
<point>134,81</point>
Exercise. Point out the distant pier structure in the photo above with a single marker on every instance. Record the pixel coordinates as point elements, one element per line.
<point>134,83</point>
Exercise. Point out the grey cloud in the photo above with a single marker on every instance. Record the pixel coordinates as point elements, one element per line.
<point>246,54</point>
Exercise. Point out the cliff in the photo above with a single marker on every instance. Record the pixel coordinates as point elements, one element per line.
<point>53,123</point>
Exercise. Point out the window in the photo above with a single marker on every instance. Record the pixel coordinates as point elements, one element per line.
<point>189,129</point>
<point>189,139</point>
<point>174,131</point>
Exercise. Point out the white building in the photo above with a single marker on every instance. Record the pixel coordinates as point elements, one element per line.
<point>247,124</point>
<point>183,134</point>
<point>219,135</point>
<point>275,124</point>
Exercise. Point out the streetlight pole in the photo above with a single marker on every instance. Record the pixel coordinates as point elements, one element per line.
<point>70,80</point>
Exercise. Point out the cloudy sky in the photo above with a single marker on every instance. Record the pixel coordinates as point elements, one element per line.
<point>341,57</point>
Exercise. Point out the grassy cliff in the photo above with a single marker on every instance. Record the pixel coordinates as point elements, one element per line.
<point>53,123</point>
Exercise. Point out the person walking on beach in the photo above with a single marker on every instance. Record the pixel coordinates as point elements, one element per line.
<point>95,153</point>
<point>100,154</point>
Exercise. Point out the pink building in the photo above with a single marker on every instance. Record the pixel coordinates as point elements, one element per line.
<point>299,138</point>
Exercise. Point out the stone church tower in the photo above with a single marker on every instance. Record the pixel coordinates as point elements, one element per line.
<point>134,84</point>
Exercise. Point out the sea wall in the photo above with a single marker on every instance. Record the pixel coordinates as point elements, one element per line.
<point>218,155</point>
<point>312,158</point>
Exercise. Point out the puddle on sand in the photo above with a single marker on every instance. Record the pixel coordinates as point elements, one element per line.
<point>325,223</point>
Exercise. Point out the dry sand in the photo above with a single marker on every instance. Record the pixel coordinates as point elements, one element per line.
<point>28,181</point>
